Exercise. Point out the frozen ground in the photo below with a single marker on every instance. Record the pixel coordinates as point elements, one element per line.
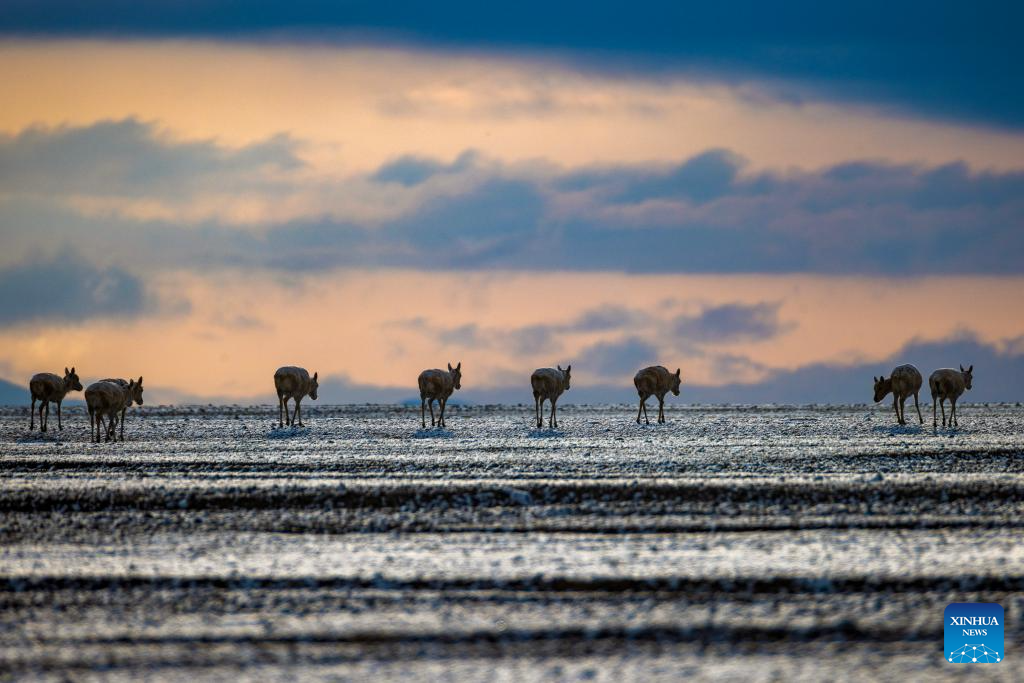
<point>733,543</point>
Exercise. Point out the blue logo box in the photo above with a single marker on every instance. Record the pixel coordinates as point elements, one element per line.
<point>973,633</point>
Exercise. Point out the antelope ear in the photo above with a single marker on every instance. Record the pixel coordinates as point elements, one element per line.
<point>970,369</point>
<point>678,372</point>
<point>72,369</point>
<point>961,368</point>
<point>568,368</point>
<point>449,367</point>
<point>140,381</point>
<point>560,368</point>
<point>315,375</point>
<point>66,371</point>
<point>459,366</point>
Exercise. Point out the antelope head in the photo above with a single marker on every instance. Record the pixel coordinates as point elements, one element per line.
<point>882,387</point>
<point>135,390</point>
<point>456,374</point>
<point>968,375</point>
<point>71,381</point>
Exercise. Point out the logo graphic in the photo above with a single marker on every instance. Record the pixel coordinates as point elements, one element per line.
<point>973,633</point>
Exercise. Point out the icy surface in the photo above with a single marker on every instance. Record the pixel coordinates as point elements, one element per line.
<point>742,542</point>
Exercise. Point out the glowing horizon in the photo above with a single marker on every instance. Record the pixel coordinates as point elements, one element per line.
<point>240,327</point>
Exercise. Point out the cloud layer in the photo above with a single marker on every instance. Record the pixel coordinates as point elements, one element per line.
<point>997,372</point>
<point>432,185</point>
<point>704,214</point>
<point>939,60</point>
<point>996,380</point>
<point>129,158</point>
<point>67,289</point>
<point>732,322</point>
<point>998,368</point>
<point>380,328</point>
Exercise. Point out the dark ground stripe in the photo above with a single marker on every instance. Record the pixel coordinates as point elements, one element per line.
<point>667,585</point>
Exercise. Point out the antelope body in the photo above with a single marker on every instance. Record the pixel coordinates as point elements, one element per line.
<point>905,381</point>
<point>548,384</point>
<point>46,387</point>
<point>108,398</point>
<point>655,381</point>
<point>437,385</point>
<point>132,394</point>
<point>949,384</point>
<point>293,383</point>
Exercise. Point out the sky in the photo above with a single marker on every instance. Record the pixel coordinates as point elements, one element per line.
<point>780,199</point>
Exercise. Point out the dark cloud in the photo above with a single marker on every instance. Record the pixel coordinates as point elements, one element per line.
<point>131,158</point>
<point>463,335</point>
<point>607,317</point>
<point>12,394</point>
<point>729,365</point>
<point>413,170</point>
<point>479,228</point>
<point>997,376</point>
<point>941,60</point>
<point>704,177</point>
<point>731,323</point>
<point>69,289</point>
<point>853,218</point>
<point>341,389</point>
<point>527,340</point>
<point>530,340</point>
<point>998,370</point>
<point>616,358</point>
<point>867,217</point>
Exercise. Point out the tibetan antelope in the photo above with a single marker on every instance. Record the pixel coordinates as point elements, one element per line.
<point>110,398</point>
<point>656,381</point>
<point>46,387</point>
<point>438,385</point>
<point>133,394</point>
<point>293,383</point>
<point>949,384</point>
<point>905,381</point>
<point>548,384</point>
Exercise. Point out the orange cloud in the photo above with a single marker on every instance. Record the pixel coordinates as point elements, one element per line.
<point>357,108</point>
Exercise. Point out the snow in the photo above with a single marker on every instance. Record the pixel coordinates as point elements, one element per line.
<point>736,541</point>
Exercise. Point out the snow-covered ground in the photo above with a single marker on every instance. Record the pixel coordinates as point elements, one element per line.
<point>742,542</point>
